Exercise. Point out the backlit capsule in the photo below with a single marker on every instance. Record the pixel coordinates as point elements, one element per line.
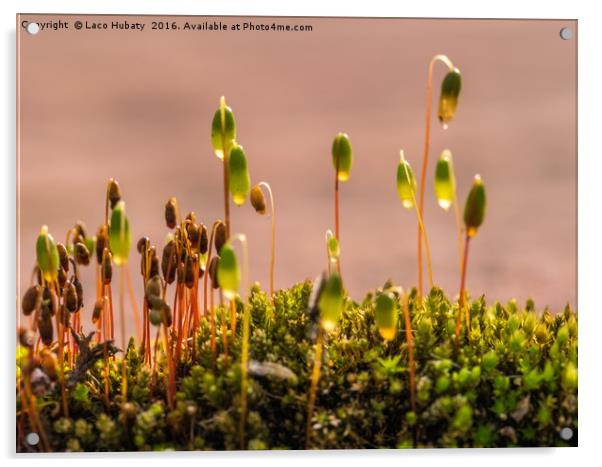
<point>331,302</point>
<point>258,200</point>
<point>47,255</point>
<point>406,183</point>
<point>386,316</point>
<point>240,182</point>
<point>228,272</point>
<point>445,181</point>
<point>448,100</point>
<point>342,156</point>
<point>120,238</point>
<point>476,207</point>
<point>170,213</point>
<point>223,128</point>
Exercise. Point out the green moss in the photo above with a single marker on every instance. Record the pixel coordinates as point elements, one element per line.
<point>505,386</point>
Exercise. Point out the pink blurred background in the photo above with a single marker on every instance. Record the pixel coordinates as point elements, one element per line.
<point>137,106</point>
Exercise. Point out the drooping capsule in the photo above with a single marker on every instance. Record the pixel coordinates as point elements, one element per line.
<point>342,156</point>
<point>189,270</point>
<point>47,255</point>
<point>45,325</point>
<point>143,244</point>
<point>331,302</point>
<point>71,298</point>
<point>106,269</point>
<point>223,129</point>
<point>171,213</point>
<point>81,253</point>
<point>120,238</point>
<point>228,272</point>
<point>240,182</point>
<point>475,207</point>
<point>204,239</point>
<point>79,291</point>
<point>194,236</point>
<point>63,256</point>
<point>97,311</point>
<point>213,271</point>
<point>114,192</point>
<point>31,299</point>
<point>169,262</point>
<point>220,236</point>
<point>406,183</point>
<point>154,262</point>
<point>386,316</point>
<point>445,180</point>
<point>448,100</point>
<point>258,200</point>
<point>102,242</point>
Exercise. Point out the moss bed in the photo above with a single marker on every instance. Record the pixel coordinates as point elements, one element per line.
<point>511,382</point>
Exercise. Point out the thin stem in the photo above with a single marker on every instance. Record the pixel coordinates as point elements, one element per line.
<point>336,212</point>
<point>427,134</point>
<point>132,297</point>
<point>458,230</point>
<point>206,277</point>
<point>315,377</point>
<point>273,214</point>
<point>226,151</point>
<point>462,289</point>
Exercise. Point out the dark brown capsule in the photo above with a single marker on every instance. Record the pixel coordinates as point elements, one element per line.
<point>45,326</point>
<point>180,273</point>
<point>71,298</point>
<point>77,238</point>
<point>143,245</point>
<point>213,271</point>
<point>80,292</point>
<point>189,269</point>
<point>26,338</point>
<point>166,315</point>
<point>61,278</point>
<point>31,299</point>
<point>106,270</point>
<point>194,236</point>
<point>64,316</point>
<point>220,236</point>
<point>101,243</point>
<point>48,301</point>
<point>168,262</point>
<point>97,311</point>
<point>63,256</point>
<point>204,240</point>
<point>82,255</point>
<point>154,262</point>
<point>170,213</point>
<point>114,192</point>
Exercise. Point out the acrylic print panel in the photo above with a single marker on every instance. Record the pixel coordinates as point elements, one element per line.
<point>243,233</point>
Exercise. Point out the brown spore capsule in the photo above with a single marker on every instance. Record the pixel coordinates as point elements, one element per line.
<point>114,192</point>
<point>80,229</point>
<point>191,217</point>
<point>220,236</point>
<point>71,298</point>
<point>189,269</point>
<point>213,271</point>
<point>106,267</point>
<point>142,244</point>
<point>258,200</point>
<point>45,326</point>
<point>168,262</point>
<point>170,213</point>
<point>102,241</point>
<point>63,256</point>
<point>97,311</point>
<point>61,277</point>
<point>82,255</point>
<point>194,236</point>
<point>204,240</point>
<point>80,292</point>
<point>31,299</point>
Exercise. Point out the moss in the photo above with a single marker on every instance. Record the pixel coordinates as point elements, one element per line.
<point>512,382</point>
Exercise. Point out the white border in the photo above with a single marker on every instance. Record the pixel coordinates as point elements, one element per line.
<point>590,198</point>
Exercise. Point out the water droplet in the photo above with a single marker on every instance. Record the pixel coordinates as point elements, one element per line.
<point>445,204</point>
<point>220,154</point>
<point>444,125</point>
<point>408,203</point>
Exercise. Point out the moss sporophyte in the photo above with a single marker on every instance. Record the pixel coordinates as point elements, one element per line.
<point>304,366</point>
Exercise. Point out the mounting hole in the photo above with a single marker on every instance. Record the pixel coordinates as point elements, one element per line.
<point>32,439</point>
<point>566,433</point>
<point>32,28</point>
<point>566,34</point>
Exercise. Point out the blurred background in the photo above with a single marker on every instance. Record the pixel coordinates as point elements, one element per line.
<point>137,106</point>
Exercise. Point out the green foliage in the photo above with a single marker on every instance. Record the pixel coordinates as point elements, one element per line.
<point>513,382</point>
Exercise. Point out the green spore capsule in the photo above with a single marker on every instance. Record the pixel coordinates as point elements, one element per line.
<point>331,302</point>
<point>475,208</point>
<point>445,181</point>
<point>228,272</point>
<point>332,244</point>
<point>406,183</point>
<point>47,255</point>
<point>223,128</point>
<point>448,100</point>
<point>258,200</point>
<point>240,182</point>
<point>386,316</point>
<point>342,156</point>
<point>120,238</point>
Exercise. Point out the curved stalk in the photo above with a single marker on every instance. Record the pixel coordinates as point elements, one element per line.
<point>226,150</point>
<point>461,300</point>
<point>272,253</point>
<point>429,91</point>
<point>336,211</point>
